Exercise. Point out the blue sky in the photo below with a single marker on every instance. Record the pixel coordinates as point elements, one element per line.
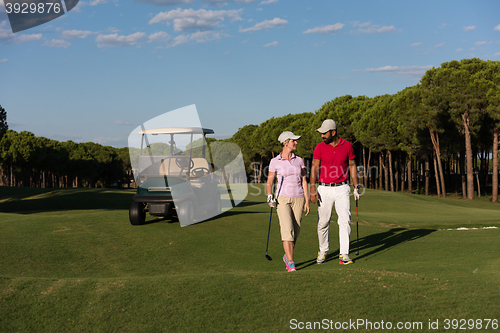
<point>107,66</point>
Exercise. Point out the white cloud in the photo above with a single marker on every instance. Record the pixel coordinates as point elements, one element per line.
<point>57,43</point>
<point>469,28</point>
<point>97,2</point>
<point>113,40</point>
<point>442,26</point>
<point>3,60</point>
<point>377,29</point>
<point>27,38</point>
<point>480,43</point>
<point>265,2</point>
<point>368,28</point>
<point>416,44</point>
<point>267,24</point>
<point>220,3</point>
<point>189,19</point>
<point>166,3</point>
<point>459,50</point>
<point>70,34</point>
<point>204,36</point>
<point>405,70</point>
<point>271,44</point>
<point>497,28</point>
<point>158,36</point>
<point>198,37</point>
<point>439,45</point>
<point>6,33</point>
<point>497,53</point>
<point>327,29</point>
<point>181,39</point>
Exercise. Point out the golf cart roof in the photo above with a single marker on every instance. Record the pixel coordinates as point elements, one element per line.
<point>177,130</point>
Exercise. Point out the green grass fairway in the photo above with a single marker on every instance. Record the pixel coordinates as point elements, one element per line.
<point>72,262</point>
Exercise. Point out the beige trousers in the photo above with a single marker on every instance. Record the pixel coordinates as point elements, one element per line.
<point>290,215</point>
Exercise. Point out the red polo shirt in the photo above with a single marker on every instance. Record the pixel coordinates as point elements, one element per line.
<point>334,161</point>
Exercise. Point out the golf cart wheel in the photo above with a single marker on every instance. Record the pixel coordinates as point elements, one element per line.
<point>136,213</point>
<point>216,210</point>
<point>186,212</point>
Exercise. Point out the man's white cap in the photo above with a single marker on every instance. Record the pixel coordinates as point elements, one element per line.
<point>287,136</point>
<point>328,125</point>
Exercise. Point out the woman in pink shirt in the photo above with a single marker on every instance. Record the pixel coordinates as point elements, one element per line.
<point>292,192</point>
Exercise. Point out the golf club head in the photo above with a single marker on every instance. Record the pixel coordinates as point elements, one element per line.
<point>268,257</point>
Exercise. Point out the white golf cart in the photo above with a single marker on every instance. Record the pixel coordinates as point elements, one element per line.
<point>173,181</point>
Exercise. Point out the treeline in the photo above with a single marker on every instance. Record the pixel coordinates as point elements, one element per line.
<point>31,161</point>
<point>438,136</point>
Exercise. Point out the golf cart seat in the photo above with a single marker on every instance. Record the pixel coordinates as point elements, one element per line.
<point>174,166</point>
<point>200,169</point>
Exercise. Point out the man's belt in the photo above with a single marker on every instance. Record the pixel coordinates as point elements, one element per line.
<point>332,184</point>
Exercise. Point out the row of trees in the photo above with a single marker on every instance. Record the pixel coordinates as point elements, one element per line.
<point>437,135</point>
<point>450,120</point>
<point>31,161</point>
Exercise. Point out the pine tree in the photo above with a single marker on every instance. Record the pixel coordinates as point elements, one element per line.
<point>3,121</point>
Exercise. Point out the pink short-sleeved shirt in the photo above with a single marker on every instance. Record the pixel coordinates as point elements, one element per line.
<point>292,173</point>
<point>334,161</point>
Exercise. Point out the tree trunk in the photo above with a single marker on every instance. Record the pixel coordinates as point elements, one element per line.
<point>420,171</point>
<point>468,154</point>
<point>478,186</point>
<point>462,174</point>
<point>410,189</point>
<point>455,173</point>
<point>390,170</point>
<point>435,143</point>
<point>438,187</point>
<point>494,180</point>
<point>427,177</point>
<point>368,180</point>
<point>396,175</point>
<point>383,163</point>
<point>364,168</point>
<point>403,173</point>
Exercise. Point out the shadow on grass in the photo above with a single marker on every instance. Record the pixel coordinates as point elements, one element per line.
<point>375,244</point>
<point>22,200</point>
<point>174,219</point>
<point>35,200</point>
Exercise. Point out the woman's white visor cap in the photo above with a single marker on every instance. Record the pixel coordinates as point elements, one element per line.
<point>287,136</point>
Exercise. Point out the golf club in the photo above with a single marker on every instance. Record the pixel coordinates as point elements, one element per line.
<point>357,230</point>
<point>268,257</point>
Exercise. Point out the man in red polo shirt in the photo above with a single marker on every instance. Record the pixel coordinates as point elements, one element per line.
<point>333,159</point>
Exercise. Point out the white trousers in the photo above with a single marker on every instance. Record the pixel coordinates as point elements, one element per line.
<point>340,197</point>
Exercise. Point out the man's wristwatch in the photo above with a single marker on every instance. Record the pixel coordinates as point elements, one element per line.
<point>356,187</point>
